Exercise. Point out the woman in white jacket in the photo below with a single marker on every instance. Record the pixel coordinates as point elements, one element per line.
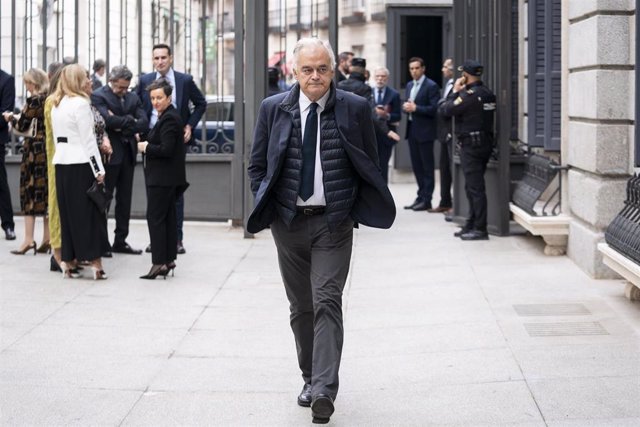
<point>78,164</point>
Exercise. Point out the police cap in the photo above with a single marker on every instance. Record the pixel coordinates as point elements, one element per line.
<point>359,62</point>
<point>472,67</point>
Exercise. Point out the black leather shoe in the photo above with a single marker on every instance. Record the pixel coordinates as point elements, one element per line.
<point>415,202</point>
<point>9,234</point>
<point>181,250</point>
<point>304,398</point>
<point>475,235</point>
<point>124,248</point>
<point>461,232</point>
<point>107,254</point>
<point>322,409</point>
<point>422,206</point>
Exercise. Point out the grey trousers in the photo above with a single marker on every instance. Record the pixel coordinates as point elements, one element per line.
<point>314,264</point>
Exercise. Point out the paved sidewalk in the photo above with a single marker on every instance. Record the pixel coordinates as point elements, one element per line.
<point>437,332</point>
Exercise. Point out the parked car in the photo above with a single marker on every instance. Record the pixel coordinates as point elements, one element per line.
<point>215,133</point>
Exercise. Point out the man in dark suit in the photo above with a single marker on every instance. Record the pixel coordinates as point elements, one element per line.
<point>344,62</point>
<point>422,103</point>
<point>124,120</point>
<point>315,175</point>
<point>7,103</point>
<point>387,102</point>
<point>445,138</point>
<point>186,92</point>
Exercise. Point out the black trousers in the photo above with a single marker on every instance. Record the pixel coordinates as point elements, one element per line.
<point>474,164</point>
<point>422,163</point>
<point>81,223</point>
<point>161,220</point>
<point>119,180</point>
<point>6,210</point>
<point>314,264</point>
<point>384,155</point>
<point>445,175</point>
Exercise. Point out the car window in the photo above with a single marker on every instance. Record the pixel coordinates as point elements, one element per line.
<point>219,111</point>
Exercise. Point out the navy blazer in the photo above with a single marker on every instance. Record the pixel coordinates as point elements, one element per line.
<point>7,102</point>
<point>186,90</point>
<point>123,124</point>
<point>422,126</point>
<point>391,100</point>
<point>374,205</point>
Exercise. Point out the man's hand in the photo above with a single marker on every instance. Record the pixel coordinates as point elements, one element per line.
<point>409,106</point>
<point>187,133</point>
<point>394,136</point>
<point>142,146</point>
<point>459,85</point>
<point>381,111</point>
<point>8,116</point>
<point>100,178</point>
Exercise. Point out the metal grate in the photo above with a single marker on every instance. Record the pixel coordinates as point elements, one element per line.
<point>531,310</point>
<point>568,329</point>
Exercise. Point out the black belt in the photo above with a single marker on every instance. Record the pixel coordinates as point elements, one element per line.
<point>311,210</point>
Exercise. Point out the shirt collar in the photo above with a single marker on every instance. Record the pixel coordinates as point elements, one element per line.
<point>305,102</point>
<point>169,76</point>
<point>421,79</point>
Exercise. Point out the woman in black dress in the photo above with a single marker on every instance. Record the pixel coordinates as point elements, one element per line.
<point>165,177</point>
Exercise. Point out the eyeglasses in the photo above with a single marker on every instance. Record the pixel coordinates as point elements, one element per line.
<point>321,70</point>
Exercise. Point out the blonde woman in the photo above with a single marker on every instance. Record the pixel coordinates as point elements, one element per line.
<point>33,168</point>
<point>78,163</point>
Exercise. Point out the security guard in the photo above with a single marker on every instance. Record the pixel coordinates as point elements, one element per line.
<point>473,106</point>
<point>356,83</point>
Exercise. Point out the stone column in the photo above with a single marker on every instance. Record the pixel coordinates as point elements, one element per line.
<point>599,42</point>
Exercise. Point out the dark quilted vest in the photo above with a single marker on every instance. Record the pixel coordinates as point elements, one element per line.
<point>340,178</point>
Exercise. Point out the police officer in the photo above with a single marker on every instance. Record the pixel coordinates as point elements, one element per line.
<point>356,83</point>
<point>472,105</point>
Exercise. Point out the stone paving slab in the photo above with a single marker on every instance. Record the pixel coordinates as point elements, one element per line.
<point>432,336</point>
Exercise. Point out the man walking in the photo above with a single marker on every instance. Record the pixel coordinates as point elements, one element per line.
<point>185,93</point>
<point>124,120</point>
<point>421,106</point>
<point>344,62</point>
<point>473,105</point>
<point>7,103</point>
<point>445,137</point>
<point>387,107</point>
<point>314,173</point>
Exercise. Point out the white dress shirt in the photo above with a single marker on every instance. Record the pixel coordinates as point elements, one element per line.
<point>73,119</point>
<point>317,199</point>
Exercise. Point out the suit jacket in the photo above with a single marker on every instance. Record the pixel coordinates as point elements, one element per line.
<point>123,124</point>
<point>374,205</point>
<point>186,90</point>
<point>165,156</point>
<point>73,133</point>
<point>422,126</point>
<point>7,102</point>
<point>444,123</point>
<point>391,102</point>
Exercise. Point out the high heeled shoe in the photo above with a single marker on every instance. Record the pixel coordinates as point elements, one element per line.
<point>170,267</point>
<point>156,270</point>
<point>25,250</point>
<point>98,273</point>
<point>44,248</point>
<point>68,272</point>
<point>54,266</point>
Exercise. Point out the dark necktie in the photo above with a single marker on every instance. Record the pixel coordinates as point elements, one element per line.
<point>379,100</point>
<point>309,142</point>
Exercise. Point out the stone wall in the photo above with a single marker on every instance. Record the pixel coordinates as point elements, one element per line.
<point>598,113</point>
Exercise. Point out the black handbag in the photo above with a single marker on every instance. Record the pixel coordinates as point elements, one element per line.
<point>100,195</point>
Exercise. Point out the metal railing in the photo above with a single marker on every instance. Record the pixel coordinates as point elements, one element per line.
<point>541,176</point>
<point>623,233</point>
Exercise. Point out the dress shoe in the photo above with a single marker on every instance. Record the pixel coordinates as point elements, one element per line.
<point>156,270</point>
<point>180,249</point>
<point>44,248</point>
<point>124,248</point>
<point>475,235</point>
<point>322,409</point>
<point>461,232</point>
<point>148,248</point>
<point>9,234</point>
<point>448,215</point>
<point>415,202</point>
<point>24,250</point>
<point>304,399</point>
<point>54,265</point>
<point>422,206</point>
<point>439,209</point>
<point>107,254</point>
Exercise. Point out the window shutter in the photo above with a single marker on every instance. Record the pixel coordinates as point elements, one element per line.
<point>544,74</point>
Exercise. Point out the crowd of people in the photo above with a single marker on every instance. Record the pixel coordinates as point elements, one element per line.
<point>80,140</point>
